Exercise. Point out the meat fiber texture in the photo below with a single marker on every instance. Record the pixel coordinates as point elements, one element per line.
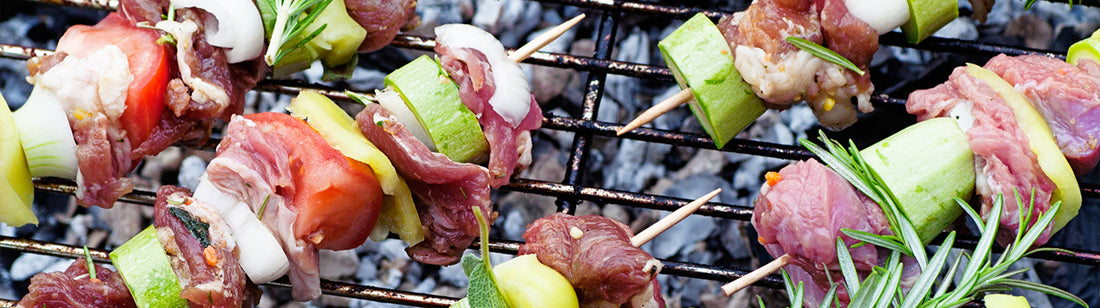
<point>1067,96</point>
<point>446,192</point>
<point>74,288</point>
<point>594,253</point>
<point>1003,160</point>
<point>782,74</point>
<point>307,194</point>
<point>222,284</point>
<point>382,19</point>
<point>802,216</point>
<point>473,73</point>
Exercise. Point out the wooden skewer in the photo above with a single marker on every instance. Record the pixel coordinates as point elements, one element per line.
<point>755,275</point>
<point>671,219</point>
<point>543,39</point>
<point>657,110</point>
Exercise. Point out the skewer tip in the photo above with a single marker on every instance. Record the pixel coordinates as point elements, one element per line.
<point>755,275</point>
<point>657,110</point>
<point>670,220</point>
<point>543,39</point>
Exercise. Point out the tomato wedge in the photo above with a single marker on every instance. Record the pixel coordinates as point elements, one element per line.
<point>149,65</point>
<point>337,198</point>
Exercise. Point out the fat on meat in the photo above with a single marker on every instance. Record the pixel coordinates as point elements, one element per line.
<point>802,216</point>
<point>382,19</point>
<point>782,74</point>
<point>473,73</point>
<point>1003,160</point>
<point>222,284</point>
<point>92,91</point>
<point>446,192</point>
<point>1067,96</point>
<point>75,288</point>
<point>595,254</point>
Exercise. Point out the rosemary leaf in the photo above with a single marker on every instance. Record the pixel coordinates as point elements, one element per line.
<point>1023,284</point>
<point>823,53</point>
<point>875,239</point>
<point>920,289</point>
<point>847,267</point>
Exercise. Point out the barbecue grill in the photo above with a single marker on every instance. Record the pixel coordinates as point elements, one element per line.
<point>572,189</point>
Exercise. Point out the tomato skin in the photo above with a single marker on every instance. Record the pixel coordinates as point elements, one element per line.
<point>337,199</point>
<point>149,64</point>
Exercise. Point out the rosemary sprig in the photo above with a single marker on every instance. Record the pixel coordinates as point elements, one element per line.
<point>824,53</point>
<point>982,273</point>
<point>288,23</point>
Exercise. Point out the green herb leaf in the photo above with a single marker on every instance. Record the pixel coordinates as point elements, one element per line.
<point>824,53</point>
<point>483,291</point>
<point>284,23</point>
<point>263,207</point>
<point>199,229</point>
<point>91,265</point>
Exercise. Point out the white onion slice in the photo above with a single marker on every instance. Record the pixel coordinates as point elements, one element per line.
<point>393,103</point>
<point>883,15</point>
<point>963,115</point>
<point>239,28</point>
<point>262,257</point>
<point>512,99</point>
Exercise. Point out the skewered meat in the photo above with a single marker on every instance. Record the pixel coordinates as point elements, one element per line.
<point>445,190</point>
<point>307,194</point>
<point>382,19</point>
<point>74,288</point>
<point>782,74</point>
<point>802,216</point>
<point>1003,160</point>
<point>203,259</point>
<point>495,89</point>
<point>1068,97</point>
<point>594,253</point>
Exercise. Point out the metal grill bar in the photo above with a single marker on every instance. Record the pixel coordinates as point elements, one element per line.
<point>570,191</point>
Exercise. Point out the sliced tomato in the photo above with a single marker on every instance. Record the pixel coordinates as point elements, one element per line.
<point>149,64</point>
<point>337,199</point>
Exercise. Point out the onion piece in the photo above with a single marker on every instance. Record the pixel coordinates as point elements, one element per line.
<point>46,135</point>
<point>262,257</point>
<point>238,27</point>
<point>393,103</point>
<point>512,99</point>
<point>882,15</point>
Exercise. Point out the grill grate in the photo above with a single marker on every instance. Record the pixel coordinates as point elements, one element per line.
<point>570,191</point>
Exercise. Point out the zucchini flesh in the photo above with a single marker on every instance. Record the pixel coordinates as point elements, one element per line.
<point>928,16</point>
<point>145,267</point>
<point>926,166</point>
<point>433,97</point>
<point>1088,48</point>
<point>700,59</point>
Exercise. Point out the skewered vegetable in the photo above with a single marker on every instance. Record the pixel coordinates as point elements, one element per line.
<point>16,188</point>
<point>144,266</point>
<point>926,166</point>
<point>527,283</point>
<point>1088,48</point>
<point>928,16</point>
<point>433,98</point>
<point>398,212</point>
<point>700,59</point>
<point>335,44</point>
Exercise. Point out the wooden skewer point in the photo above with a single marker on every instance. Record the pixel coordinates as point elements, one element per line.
<point>755,276</point>
<point>543,39</point>
<point>657,110</point>
<point>670,220</point>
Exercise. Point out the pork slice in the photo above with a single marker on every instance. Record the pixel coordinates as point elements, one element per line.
<point>472,71</point>
<point>255,167</point>
<point>1068,97</point>
<point>92,91</point>
<point>1003,160</point>
<point>221,284</point>
<point>75,288</point>
<point>594,253</point>
<point>445,191</point>
<point>382,19</point>
<point>803,214</point>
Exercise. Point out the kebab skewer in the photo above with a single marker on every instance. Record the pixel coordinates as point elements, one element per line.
<point>777,53</point>
<point>594,257</point>
<point>1006,132</point>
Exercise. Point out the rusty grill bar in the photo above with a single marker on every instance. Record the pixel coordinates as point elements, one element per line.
<point>570,191</point>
